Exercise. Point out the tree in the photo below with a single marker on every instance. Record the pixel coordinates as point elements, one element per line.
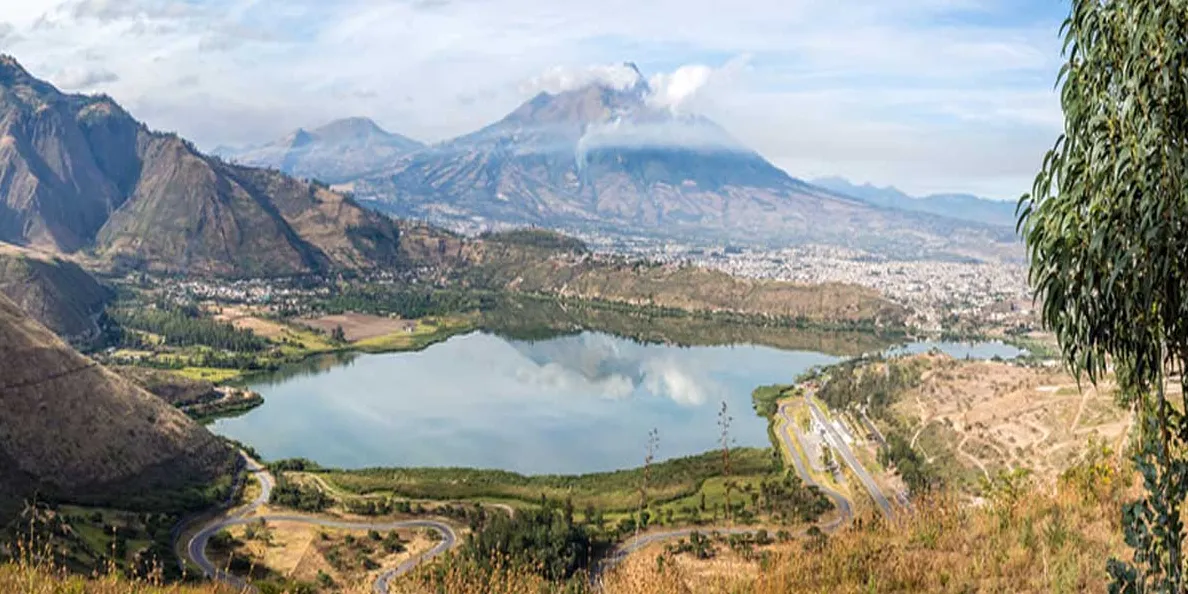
<point>338,334</point>
<point>1106,226</point>
<point>724,420</point>
<point>653,445</point>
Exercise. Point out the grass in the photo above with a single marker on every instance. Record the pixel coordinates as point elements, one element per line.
<point>1039,539</point>
<point>428,331</point>
<point>210,374</point>
<point>608,491</point>
<point>1044,539</point>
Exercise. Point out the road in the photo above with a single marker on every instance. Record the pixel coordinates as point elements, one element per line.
<point>196,548</point>
<point>845,510</point>
<point>841,447</point>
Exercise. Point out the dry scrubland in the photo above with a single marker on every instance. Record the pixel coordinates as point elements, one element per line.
<point>1030,539</point>
<point>1026,538</point>
<point>976,419</point>
<point>351,560</point>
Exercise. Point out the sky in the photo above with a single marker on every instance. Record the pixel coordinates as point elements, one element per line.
<point>926,95</point>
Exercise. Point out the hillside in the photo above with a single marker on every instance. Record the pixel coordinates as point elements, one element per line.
<point>338,151</point>
<point>80,173</point>
<point>72,431</point>
<point>547,263</point>
<point>518,267</point>
<point>606,158</point>
<point>966,207</point>
<point>55,292</point>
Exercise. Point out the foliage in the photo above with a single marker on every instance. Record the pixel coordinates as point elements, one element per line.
<point>545,538</point>
<point>299,497</point>
<point>409,303</point>
<point>538,238</point>
<point>609,491</point>
<point>861,382</point>
<point>915,470</point>
<point>180,326</point>
<point>1105,229</point>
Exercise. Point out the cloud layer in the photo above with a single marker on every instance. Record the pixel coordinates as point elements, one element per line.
<point>929,95</point>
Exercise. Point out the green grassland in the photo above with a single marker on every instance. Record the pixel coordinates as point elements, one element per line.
<point>428,331</point>
<point>607,491</point>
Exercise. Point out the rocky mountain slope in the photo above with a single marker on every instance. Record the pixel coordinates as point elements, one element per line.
<point>965,207</point>
<point>71,430</point>
<point>339,151</point>
<point>608,158</point>
<point>77,172</point>
<point>55,292</point>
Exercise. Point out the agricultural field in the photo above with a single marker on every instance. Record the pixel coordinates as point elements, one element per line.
<point>357,326</point>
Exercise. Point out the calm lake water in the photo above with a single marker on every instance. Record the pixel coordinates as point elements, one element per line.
<point>572,404</point>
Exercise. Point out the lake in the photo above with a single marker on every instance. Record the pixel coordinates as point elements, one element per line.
<point>564,405</point>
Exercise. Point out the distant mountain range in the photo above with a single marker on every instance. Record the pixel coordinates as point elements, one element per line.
<point>78,173</point>
<point>339,151</point>
<point>965,207</point>
<point>607,158</point>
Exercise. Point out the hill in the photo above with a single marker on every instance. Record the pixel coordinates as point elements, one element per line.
<point>966,207</point>
<point>607,158</point>
<point>338,151</point>
<point>71,430</point>
<point>80,173</point>
<point>53,291</point>
<point>546,263</point>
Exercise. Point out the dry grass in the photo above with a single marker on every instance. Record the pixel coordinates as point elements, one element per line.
<point>15,579</point>
<point>358,326</point>
<point>988,416</point>
<point>1053,538</point>
<point>1044,539</point>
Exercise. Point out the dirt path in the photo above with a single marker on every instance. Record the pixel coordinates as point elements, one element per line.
<point>972,458</point>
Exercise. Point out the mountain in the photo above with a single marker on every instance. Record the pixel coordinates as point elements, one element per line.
<point>339,151</point>
<point>71,430</point>
<point>78,172</point>
<point>964,207</point>
<point>608,157</point>
<point>55,292</point>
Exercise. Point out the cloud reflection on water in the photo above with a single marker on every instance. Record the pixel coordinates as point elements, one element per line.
<point>616,369</point>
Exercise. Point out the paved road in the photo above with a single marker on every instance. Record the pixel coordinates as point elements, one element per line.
<point>840,446</point>
<point>845,510</point>
<point>196,548</point>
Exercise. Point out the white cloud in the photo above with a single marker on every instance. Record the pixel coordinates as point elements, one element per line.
<point>667,378</point>
<point>559,79</point>
<point>832,85</point>
<point>81,78</point>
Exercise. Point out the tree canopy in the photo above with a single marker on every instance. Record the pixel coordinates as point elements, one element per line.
<point>1105,230</point>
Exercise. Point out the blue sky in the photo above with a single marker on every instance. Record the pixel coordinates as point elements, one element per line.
<point>927,95</point>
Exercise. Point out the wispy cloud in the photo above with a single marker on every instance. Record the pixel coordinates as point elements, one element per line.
<point>925,94</point>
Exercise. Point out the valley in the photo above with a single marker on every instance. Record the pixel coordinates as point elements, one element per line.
<point>591,343</point>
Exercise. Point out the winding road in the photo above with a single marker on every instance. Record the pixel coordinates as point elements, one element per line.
<point>839,444</point>
<point>845,510</point>
<point>196,547</point>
